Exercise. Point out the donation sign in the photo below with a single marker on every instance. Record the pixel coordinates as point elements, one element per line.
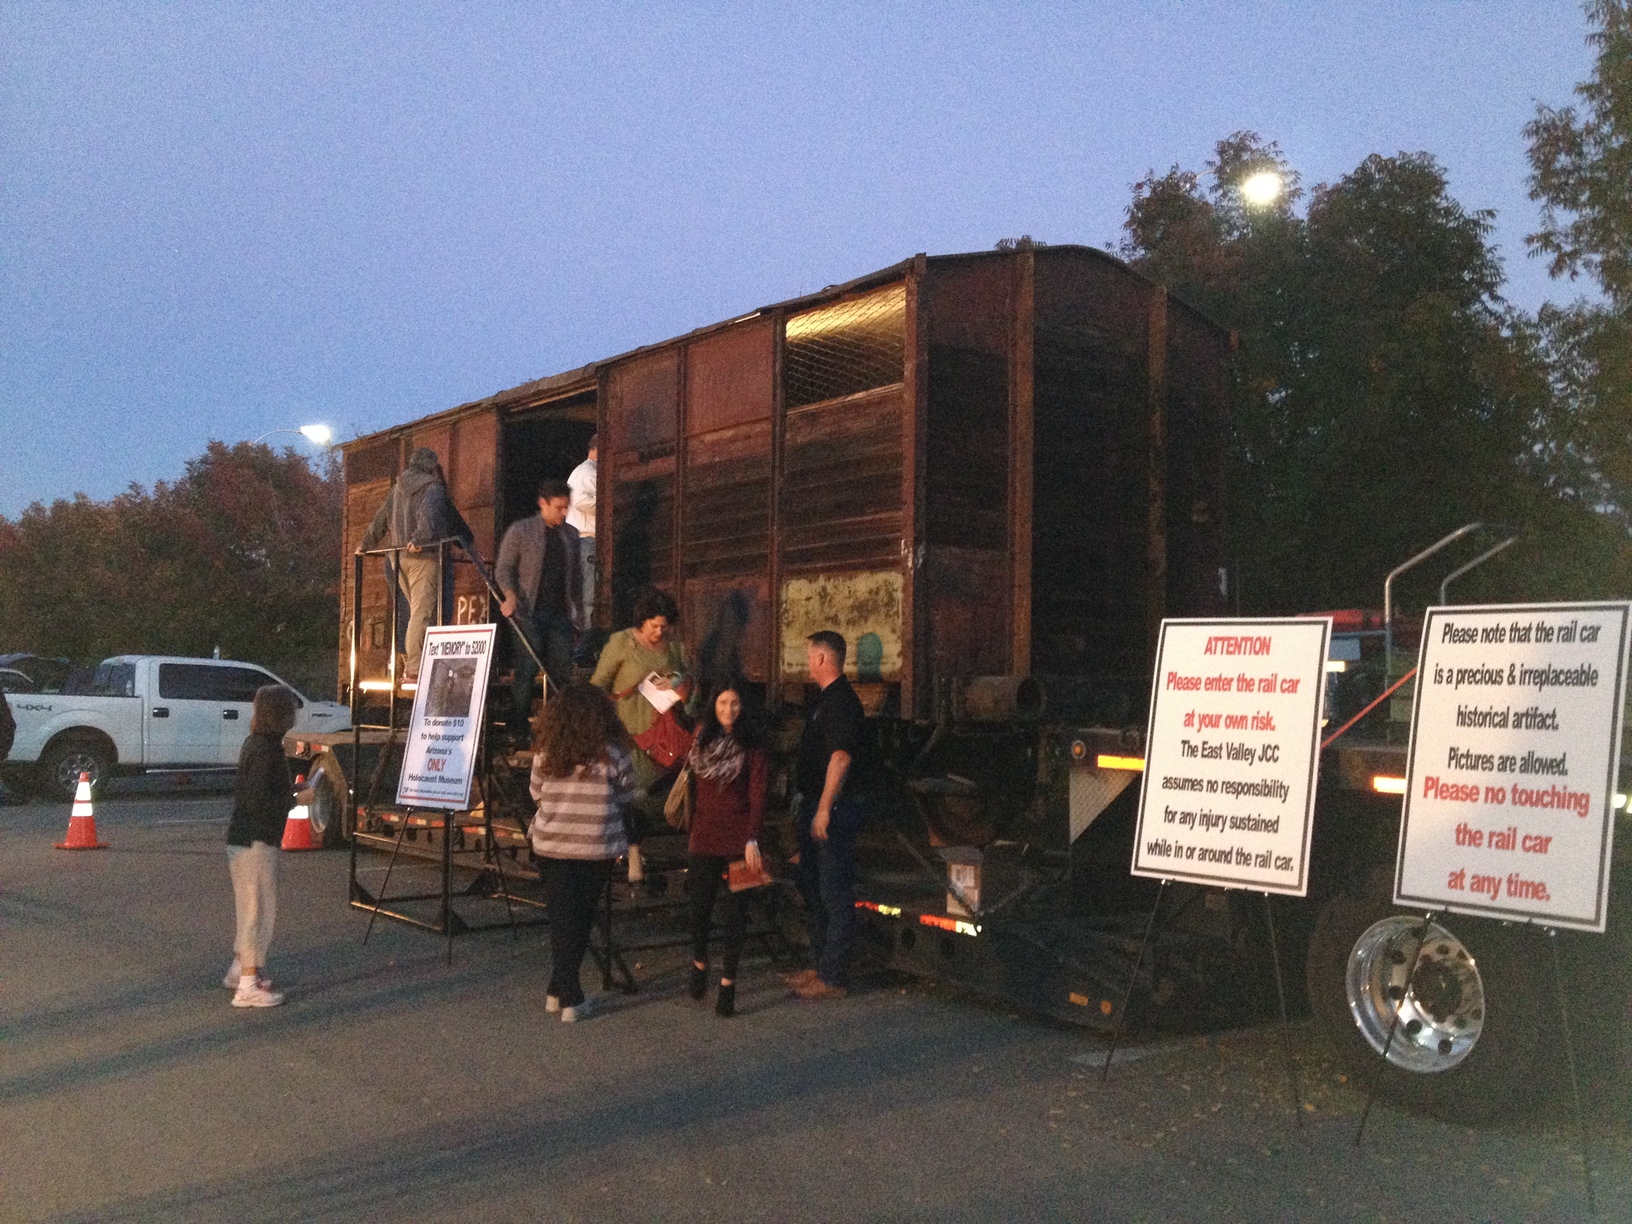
<point>1515,744</point>
<point>439,762</point>
<point>1230,755</point>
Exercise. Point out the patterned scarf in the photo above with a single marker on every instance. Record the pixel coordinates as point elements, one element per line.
<point>720,761</point>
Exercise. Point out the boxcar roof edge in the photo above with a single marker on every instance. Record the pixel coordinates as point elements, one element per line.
<point>583,378</point>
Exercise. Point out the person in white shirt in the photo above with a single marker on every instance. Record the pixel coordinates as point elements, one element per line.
<point>581,514</point>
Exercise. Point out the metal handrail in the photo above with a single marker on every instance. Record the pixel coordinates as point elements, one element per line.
<point>1388,588</point>
<point>1444,587</point>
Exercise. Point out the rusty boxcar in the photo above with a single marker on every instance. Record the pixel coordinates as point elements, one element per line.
<point>1005,463</point>
<point>993,472</point>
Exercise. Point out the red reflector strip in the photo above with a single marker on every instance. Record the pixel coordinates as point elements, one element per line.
<point>956,925</point>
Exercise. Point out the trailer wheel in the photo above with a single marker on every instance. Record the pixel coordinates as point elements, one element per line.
<point>329,803</point>
<point>1470,1041</point>
<point>69,757</point>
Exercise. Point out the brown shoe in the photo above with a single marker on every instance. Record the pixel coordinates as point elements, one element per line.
<point>818,989</point>
<point>799,977</point>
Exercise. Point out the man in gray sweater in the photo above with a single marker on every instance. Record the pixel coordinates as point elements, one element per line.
<point>417,512</point>
<point>539,572</point>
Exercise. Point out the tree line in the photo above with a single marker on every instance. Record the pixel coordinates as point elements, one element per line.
<point>240,553</point>
<point>1385,392</point>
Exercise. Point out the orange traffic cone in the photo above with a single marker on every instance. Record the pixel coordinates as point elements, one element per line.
<point>81,821</point>
<point>297,830</point>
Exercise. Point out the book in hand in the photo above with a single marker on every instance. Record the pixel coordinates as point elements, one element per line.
<point>661,698</point>
<point>739,876</point>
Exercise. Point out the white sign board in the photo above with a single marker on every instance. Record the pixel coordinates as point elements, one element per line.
<point>1231,753</point>
<point>440,760</point>
<point>1515,744</point>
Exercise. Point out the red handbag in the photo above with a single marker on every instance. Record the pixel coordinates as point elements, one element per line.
<point>665,741</point>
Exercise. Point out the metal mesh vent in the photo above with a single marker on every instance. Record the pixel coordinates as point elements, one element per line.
<point>847,347</point>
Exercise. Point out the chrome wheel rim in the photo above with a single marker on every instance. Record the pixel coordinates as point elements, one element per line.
<point>74,763</point>
<point>1441,1004</point>
<point>321,810</point>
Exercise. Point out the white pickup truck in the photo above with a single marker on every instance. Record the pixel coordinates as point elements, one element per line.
<point>148,712</point>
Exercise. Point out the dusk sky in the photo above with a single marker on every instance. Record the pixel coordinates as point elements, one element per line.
<point>218,220</point>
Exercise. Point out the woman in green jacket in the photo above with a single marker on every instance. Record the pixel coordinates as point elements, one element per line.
<point>649,645</point>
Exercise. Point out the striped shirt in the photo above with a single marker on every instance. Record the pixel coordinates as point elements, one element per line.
<point>581,816</point>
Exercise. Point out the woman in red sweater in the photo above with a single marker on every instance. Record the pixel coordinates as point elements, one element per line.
<point>730,773</point>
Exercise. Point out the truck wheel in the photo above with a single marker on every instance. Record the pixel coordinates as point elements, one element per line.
<point>1470,1041</point>
<point>66,759</point>
<point>329,822</point>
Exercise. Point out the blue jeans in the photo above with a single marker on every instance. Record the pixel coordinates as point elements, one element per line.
<point>551,637</point>
<point>827,881</point>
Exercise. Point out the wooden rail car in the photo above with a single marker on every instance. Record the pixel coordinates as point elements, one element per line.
<point>994,473</point>
<point>1001,464</point>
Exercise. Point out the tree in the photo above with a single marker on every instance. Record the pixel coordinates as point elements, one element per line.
<point>1385,393</point>
<point>1581,165</point>
<point>1581,173</point>
<point>239,553</point>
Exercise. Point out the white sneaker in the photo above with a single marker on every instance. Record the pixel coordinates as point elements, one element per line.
<point>584,1010</point>
<point>552,1003</point>
<point>256,994</point>
<point>234,972</point>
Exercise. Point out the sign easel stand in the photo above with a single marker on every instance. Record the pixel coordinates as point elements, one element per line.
<point>1394,1024</point>
<point>1575,1080</point>
<point>1127,995</point>
<point>1286,1028</point>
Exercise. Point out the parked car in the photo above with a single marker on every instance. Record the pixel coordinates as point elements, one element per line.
<point>142,712</point>
<point>21,672</point>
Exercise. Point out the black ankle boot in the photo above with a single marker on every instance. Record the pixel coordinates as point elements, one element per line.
<point>699,982</point>
<point>726,1004</point>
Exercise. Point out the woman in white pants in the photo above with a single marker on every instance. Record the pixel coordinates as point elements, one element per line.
<point>261,800</point>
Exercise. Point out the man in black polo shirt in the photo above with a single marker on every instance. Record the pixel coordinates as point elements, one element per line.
<point>831,774</point>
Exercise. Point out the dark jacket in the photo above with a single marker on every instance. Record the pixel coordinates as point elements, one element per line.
<point>418,510</point>
<point>521,562</point>
<point>8,727</point>
<point>262,794</point>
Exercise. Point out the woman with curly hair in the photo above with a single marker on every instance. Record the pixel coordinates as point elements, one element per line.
<point>582,780</point>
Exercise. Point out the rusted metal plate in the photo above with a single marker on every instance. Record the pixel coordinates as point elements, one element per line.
<point>728,503</point>
<point>643,401</point>
<point>864,607</point>
<point>470,475</point>
<point>966,608</point>
<point>842,484</point>
<point>439,439</point>
<point>642,528</point>
<point>728,378</point>
<point>967,499</point>
<point>726,626</point>
<point>376,460</point>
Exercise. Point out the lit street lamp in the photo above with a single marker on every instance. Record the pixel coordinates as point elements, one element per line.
<point>1262,188</point>
<point>320,435</point>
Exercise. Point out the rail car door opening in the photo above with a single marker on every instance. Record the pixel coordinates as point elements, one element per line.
<point>538,444</point>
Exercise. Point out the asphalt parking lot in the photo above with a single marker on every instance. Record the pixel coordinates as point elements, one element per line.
<point>395,1087</point>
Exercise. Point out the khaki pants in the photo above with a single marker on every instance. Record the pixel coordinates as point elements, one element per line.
<point>419,584</point>
<point>254,871</point>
